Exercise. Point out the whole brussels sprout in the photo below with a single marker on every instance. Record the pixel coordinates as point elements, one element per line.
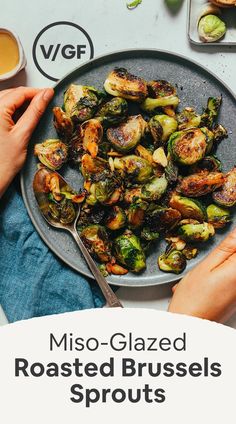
<point>161,127</point>
<point>128,251</point>
<point>127,136</point>
<point>63,124</point>
<point>120,83</point>
<point>197,232</point>
<point>136,214</point>
<point>189,208</point>
<point>187,119</point>
<point>173,261</point>
<point>199,184</point>
<point>95,239</point>
<point>154,189</point>
<point>161,94</point>
<point>187,147</point>
<point>113,111</point>
<point>211,28</point>
<point>218,216</point>
<point>52,153</point>
<point>226,195</point>
<point>116,218</point>
<point>135,168</point>
<point>211,112</point>
<point>81,102</point>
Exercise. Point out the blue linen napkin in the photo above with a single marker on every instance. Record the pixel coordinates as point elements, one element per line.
<point>33,281</point>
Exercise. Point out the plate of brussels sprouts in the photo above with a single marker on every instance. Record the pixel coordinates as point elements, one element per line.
<point>145,142</point>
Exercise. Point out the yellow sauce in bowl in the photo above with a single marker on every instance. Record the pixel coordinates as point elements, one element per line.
<point>9,53</point>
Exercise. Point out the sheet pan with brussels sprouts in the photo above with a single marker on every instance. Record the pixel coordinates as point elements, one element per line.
<point>149,176</point>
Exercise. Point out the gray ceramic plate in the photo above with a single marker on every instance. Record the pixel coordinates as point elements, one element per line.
<point>194,84</point>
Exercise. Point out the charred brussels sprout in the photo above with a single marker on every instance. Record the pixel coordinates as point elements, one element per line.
<point>81,102</point>
<point>189,208</point>
<point>211,112</point>
<point>132,194</point>
<point>128,251</point>
<point>63,211</point>
<point>202,183</point>
<point>63,124</point>
<point>160,218</point>
<point>104,189</point>
<point>135,168</point>
<point>218,216</point>
<point>188,118</point>
<point>190,252</point>
<point>149,235</point>
<point>226,196</point>
<point>173,261</point>
<point>161,127</point>
<point>52,153</point>
<point>136,214</point>
<point>198,232</point>
<point>120,83</point>
<point>154,189</point>
<point>92,166</point>
<point>187,147</point>
<point>161,94</point>
<point>209,163</point>
<point>116,218</point>
<point>113,112</point>
<point>91,136</point>
<point>96,240</point>
<point>127,136</point>
<point>211,28</point>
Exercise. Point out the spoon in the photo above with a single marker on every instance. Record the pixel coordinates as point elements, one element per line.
<point>42,198</point>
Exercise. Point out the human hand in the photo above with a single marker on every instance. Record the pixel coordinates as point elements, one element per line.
<point>14,137</point>
<point>209,290</point>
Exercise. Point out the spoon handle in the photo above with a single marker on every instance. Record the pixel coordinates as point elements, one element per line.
<point>111,299</point>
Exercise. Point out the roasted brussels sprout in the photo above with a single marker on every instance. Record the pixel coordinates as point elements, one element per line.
<point>95,239</point>
<point>210,138</point>
<point>208,163</point>
<point>63,124</point>
<point>136,214</point>
<point>187,147</point>
<point>63,211</point>
<point>226,195</point>
<point>161,94</point>
<point>81,102</point>
<point>149,235</point>
<point>52,153</point>
<point>135,168</point>
<point>132,194</point>
<point>154,189</point>
<point>187,119</point>
<point>159,218</point>
<point>113,111</point>
<point>190,252</point>
<point>92,166</point>
<point>161,127</point>
<point>171,171</point>
<point>173,261</point>
<point>120,83</point>
<point>197,232</point>
<point>189,208</point>
<point>211,112</point>
<point>199,184</point>
<point>128,251</point>
<point>126,136</point>
<point>218,216</point>
<point>211,28</point>
<point>116,218</point>
<point>104,189</point>
<point>91,136</point>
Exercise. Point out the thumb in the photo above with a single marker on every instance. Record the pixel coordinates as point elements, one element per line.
<point>30,118</point>
<point>222,252</point>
